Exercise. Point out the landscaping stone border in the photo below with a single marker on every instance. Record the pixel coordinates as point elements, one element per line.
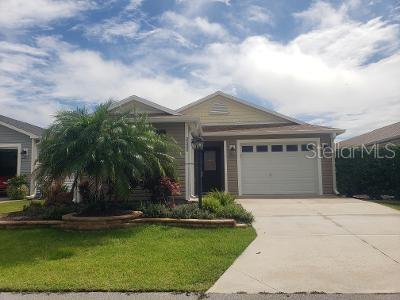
<point>186,222</point>
<point>73,222</point>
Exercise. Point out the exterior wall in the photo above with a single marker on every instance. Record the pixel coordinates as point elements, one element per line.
<point>237,113</point>
<point>232,168</point>
<point>327,169</point>
<point>177,132</point>
<point>9,136</point>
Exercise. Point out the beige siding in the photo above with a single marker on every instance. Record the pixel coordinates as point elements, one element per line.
<point>237,113</point>
<point>177,132</point>
<point>139,108</point>
<point>232,168</point>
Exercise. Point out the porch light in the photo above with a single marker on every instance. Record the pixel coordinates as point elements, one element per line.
<point>197,144</point>
<point>232,148</point>
<point>24,153</point>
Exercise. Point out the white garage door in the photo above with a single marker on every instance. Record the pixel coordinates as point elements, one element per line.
<point>278,168</point>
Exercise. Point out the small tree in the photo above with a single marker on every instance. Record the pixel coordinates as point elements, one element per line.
<point>112,151</point>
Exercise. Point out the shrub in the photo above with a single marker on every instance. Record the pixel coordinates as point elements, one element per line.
<point>17,187</point>
<point>37,210</point>
<point>223,197</point>
<point>17,192</point>
<point>365,174</point>
<point>155,210</point>
<point>211,204</point>
<point>236,212</point>
<point>190,211</point>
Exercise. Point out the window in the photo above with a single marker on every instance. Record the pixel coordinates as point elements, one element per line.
<point>292,148</point>
<point>307,147</point>
<point>161,131</point>
<point>262,148</point>
<point>210,162</point>
<point>277,148</point>
<point>247,148</point>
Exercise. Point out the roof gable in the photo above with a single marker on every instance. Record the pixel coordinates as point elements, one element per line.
<point>30,130</point>
<point>223,108</point>
<point>141,105</point>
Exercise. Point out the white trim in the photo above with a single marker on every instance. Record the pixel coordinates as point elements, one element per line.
<point>187,145</point>
<point>18,147</point>
<point>33,158</point>
<point>31,135</point>
<point>241,101</point>
<point>225,167</point>
<point>333,146</point>
<point>239,167</point>
<point>242,123</point>
<point>238,161</point>
<point>266,132</point>
<point>319,166</point>
<point>145,102</point>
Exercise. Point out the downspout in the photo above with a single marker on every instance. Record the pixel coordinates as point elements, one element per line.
<point>333,136</point>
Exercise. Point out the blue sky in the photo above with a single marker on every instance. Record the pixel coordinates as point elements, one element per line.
<point>335,63</point>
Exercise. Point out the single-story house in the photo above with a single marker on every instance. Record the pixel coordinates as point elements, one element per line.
<point>249,150</point>
<point>380,136</point>
<point>18,148</point>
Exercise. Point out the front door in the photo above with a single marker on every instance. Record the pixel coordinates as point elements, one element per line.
<point>212,169</point>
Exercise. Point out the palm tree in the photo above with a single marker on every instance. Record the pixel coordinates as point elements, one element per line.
<point>112,151</point>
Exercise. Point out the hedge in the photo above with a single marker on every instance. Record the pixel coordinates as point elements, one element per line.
<point>366,174</point>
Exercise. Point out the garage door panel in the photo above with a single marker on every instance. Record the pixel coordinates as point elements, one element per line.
<point>278,173</point>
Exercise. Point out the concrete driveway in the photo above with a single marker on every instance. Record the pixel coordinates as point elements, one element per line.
<point>335,245</point>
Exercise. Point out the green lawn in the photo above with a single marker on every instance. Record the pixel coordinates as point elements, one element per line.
<point>11,206</point>
<point>391,203</point>
<point>143,258</point>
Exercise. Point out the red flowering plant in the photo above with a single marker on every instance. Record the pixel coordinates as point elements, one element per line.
<point>169,187</point>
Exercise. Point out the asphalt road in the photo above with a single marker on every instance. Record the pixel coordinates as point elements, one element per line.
<point>171,296</point>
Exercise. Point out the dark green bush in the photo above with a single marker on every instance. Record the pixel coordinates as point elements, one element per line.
<point>211,204</point>
<point>17,187</point>
<point>236,212</point>
<point>190,211</point>
<point>155,210</point>
<point>223,197</point>
<point>36,210</point>
<point>366,174</point>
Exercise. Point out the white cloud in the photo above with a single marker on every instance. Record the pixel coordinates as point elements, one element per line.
<point>133,4</point>
<point>324,73</point>
<point>342,72</point>
<point>19,14</point>
<point>36,81</point>
<point>259,14</point>
<point>323,14</point>
<point>112,29</point>
<point>185,25</point>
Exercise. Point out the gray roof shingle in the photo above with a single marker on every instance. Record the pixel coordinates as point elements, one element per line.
<point>380,135</point>
<point>32,129</point>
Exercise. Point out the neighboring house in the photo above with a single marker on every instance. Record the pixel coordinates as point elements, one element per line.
<point>18,148</point>
<point>381,136</point>
<point>249,150</point>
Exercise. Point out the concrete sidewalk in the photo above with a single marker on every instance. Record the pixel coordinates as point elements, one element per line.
<point>171,296</point>
<point>334,245</point>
